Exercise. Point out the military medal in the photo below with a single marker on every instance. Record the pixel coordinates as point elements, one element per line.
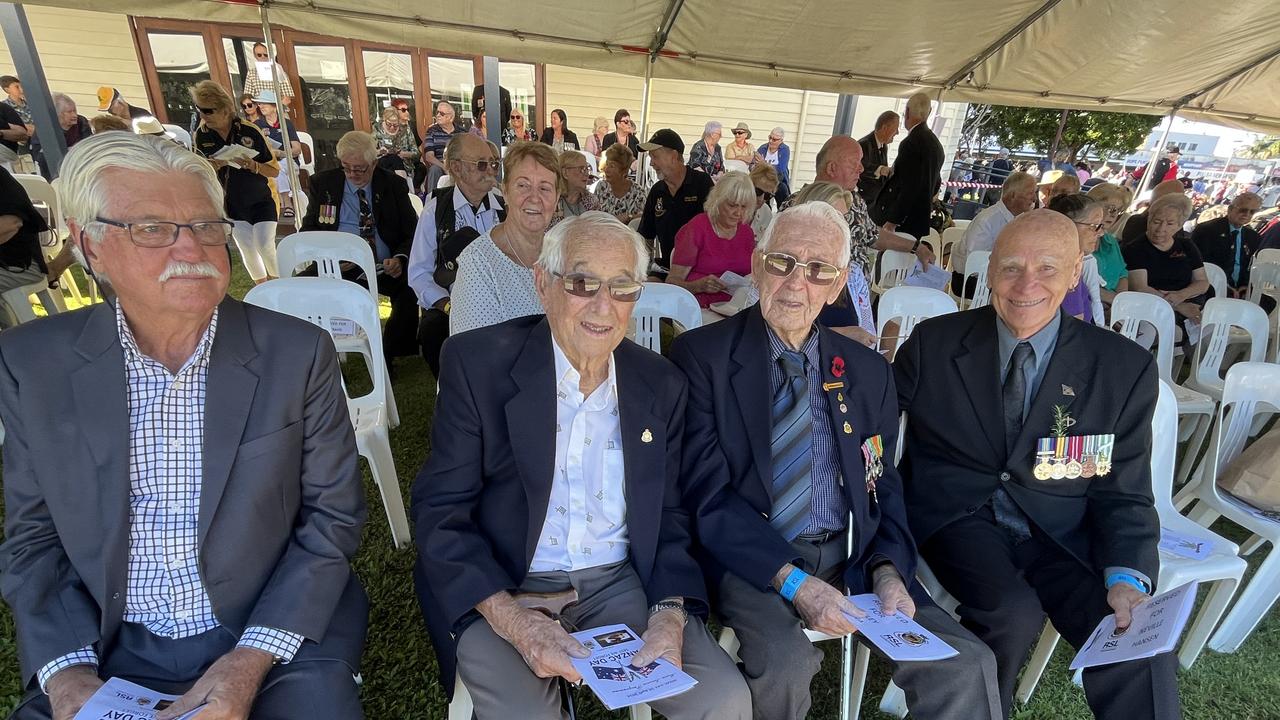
<point>1059,467</point>
<point>1074,447</point>
<point>1106,444</point>
<point>1042,470</point>
<point>848,429</point>
<point>873,463</point>
<point>646,436</point>
<point>844,408</point>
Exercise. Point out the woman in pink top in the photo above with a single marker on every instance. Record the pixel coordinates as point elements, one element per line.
<point>716,241</point>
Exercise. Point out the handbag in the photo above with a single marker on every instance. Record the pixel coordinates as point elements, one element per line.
<point>1254,476</point>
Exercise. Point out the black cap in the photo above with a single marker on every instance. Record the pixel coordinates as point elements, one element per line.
<point>666,138</point>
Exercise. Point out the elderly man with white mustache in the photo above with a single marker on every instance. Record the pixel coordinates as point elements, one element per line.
<point>181,491</point>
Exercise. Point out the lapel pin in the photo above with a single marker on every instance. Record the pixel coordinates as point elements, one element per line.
<point>827,387</point>
<point>837,366</point>
<point>844,408</point>
<point>839,397</point>
<point>848,429</point>
<point>1068,391</point>
<point>646,436</point>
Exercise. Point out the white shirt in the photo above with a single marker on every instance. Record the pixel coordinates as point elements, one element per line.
<point>490,288</point>
<point>422,256</point>
<point>1092,279</point>
<point>586,523</point>
<point>981,234</point>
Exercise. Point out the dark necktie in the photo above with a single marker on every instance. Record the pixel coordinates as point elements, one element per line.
<point>791,445</point>
<point>1007,513</point>
<point>366,216</point>
<point>1235,268</point>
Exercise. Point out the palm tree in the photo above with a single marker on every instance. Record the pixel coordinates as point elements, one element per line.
<point>1264,148</point>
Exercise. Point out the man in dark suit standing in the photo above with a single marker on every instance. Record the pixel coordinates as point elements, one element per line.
<point>182,498</point>
<point>789,449</point>
<point>906,202</point>
<point>875,156</point>
<point>372,203</point>
<point>1027,467</point>
<point>1230,242</point>
<point>555,467</point>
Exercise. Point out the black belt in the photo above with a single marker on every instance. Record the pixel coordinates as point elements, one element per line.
<point>819,537</point>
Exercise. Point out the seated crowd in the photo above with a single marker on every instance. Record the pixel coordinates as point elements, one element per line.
<point>750,480</point>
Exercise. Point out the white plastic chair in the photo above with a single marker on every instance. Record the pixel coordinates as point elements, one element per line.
<point>593,162</point>
<point>310,143</point>
<point>975,266</point>
<point>1219,317</point>
<point>1251,389</point>
<point>660,300</point>
<point>909,305</point>
<point>1264,280</point>
<point>1195,409</point>
<point>462,708</point>
<point>950,237</point>
<point>736,166</point>
<point>1266,255</point>
<point>179,134</point>
<point>961,223</point>
<point>320,301</point>
<point>19,300</point>
<point>444,181</point>
<point>416,202</point>
<point>1217,280</point>
<point>893,266</point>
<point>328,249</point>
<point>40,191</point>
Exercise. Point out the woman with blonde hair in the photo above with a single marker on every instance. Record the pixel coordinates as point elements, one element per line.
<point>396,149</point>
<point>1111,268</point>
<point>617,193</point>
<point>716,241</point>
<point>250,203</point>
<point>575,198</point>
<point>595,141</point>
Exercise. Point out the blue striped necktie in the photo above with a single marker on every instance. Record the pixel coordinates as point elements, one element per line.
<point>791,445</point>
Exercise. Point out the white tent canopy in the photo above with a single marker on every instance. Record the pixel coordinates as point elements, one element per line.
<point>1218,62</point>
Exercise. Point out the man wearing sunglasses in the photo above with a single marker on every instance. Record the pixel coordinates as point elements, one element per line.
<point>258,77</point>
<point>554,468</point>
<point>789,446</point>
<point>187,495</point>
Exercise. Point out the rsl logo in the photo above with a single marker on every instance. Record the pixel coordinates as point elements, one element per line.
<point>659,207</point>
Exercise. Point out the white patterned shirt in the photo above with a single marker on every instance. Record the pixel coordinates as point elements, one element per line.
<point>165,592</point>
<point>586,522</point>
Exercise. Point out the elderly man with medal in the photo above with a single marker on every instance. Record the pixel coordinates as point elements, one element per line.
<point>1026,467</point>
<point>787,430</point>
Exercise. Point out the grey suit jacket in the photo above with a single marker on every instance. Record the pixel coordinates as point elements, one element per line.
<point>281,505</point>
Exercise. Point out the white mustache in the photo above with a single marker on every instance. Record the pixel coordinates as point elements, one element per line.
<point>186,269</point>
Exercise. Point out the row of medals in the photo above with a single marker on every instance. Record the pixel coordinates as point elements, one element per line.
<point>1061,467</point>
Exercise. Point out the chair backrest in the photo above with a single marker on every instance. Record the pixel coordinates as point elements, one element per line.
<point>321,301</point>
<point>1219,316</point>
<point>895,265</point>
<point>1266,255</point>
<point>909,305</point>
<point>444,181</point>
<point>328,249</point>
<point>950,237</point>
<point>1131,309</point>
<point>593,162</point>
<point>736,166</point>
<point>962,224</point>
<point>310,144</point>
<point>1264,277</point>
<point>1164,448</point>
<point>180,134</point>
<point>1250,389</point>
<point>416,202</point>
<point>660,300</point>
<point>975,265</point>
<point>40,191</point>
<point>1217,280</point>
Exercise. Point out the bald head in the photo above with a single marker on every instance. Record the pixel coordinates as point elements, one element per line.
<point>840,161</point>
<point>1036,260</point>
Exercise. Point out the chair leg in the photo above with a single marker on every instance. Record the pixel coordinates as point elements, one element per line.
<point>1038,662</point>
<point>461,708</point>
<point>1251,545</point>
<point>853,670</point>
<point>52,301</point>
<point>377,450</point>
<point>641,712</point>
<point>1254,601</point>
<point>728,642</point>
<point>1203,515</point>
<point>1192,450</point>
<point>894,701</point>
<point>1215,604</point>
<point>393,413</point>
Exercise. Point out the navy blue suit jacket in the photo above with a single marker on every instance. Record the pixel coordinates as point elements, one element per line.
<point>481,498</point>
<point>728,470</point>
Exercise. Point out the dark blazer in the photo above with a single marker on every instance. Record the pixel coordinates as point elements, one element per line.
<point>955,457</point>
<point>481,498</point>
<point>1217,246</point>
<point>570,138</point>
<point>728,470</point>
<point>907,196</point>
<point>392,212</point>
<point>281,503</point>
<point>23,248</point>
<point>873,156</point>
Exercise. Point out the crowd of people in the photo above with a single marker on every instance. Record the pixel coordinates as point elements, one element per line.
<point>576,479</point>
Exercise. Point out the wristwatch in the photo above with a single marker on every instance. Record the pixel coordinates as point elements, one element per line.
<point>669,605</point>
<point>916,246</point>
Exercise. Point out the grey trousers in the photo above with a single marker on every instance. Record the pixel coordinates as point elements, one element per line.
<point>10,280</point>
<point>305,688</point>
<point>502,686</point>
<point>779,662</point>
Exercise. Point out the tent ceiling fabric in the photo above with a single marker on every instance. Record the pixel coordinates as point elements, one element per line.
<point>1219,62</point>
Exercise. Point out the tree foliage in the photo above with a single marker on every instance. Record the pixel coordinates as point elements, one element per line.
<point>1264,148</point>
<point>1105,134</point>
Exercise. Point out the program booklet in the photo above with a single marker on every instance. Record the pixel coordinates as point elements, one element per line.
<point>897,635</point>
<point>122,700</point>
<point>1154,628</point>
<point>609,673</point>
<point>234,152</point>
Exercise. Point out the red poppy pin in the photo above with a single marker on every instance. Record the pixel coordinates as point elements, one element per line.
<point>837,366</point>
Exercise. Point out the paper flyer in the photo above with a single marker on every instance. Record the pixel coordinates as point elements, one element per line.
<point>608,671</point>
<point>122,700</point>
<point>733,280</point>
<point>897,635</point>
<point>1154,628</point>
<point>1185,546</point>
<point>234,152</point>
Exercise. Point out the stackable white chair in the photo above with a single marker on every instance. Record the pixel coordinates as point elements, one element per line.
<point>1195,409</point>
<point>462,708</point>
<point>416,202</point>
<point>1266,255</point>
<point>320,301</point>
<point>593,162</point>
<point>19,300</point>
<point>961,223</point>
<point>893,267</point>
<point>51,242</point>
<point>975,266</point>
<point>1217,280</point>
<point>660,300</point>
<point>950,237</point>
<point>328,249</point>
<point>736,166</point>
<point>1264,280</point>
<point>908,306</point>
<point>179,134</point>
<point>1220,316</point>
<point>310,144</point>
<point>1251,389</point>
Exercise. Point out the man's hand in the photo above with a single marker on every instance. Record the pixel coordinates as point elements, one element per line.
<point>1123,598</point>
<point>393,266</point>
<point>545,646</point>
<point>227,688</point>
<point>883,171</point>
<point>663,639</point>
<point>824,608</point>
<point>888,586</point>
<point>925,255</point>
<point>70,688</point>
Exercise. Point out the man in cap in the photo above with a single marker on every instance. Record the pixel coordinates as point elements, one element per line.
<point>676,199</point>
<point>110,100</point>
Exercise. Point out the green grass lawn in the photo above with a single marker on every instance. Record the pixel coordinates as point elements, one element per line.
<point>400,669</point>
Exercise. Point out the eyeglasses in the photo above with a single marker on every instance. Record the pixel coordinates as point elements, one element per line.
<point>1112,209</point>
<point>760,192</point>
<point>207,111</point>
<point>164,234</point>
<point>444,113</point>
<point>481,165</point>
<point>578,169</point>
<point>585,286</point>
<point>1096,227</point>
<point>774,139</point>
<point>815,271</point>
<point>354,169</point>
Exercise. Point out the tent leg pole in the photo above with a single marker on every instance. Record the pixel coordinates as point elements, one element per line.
<point>645,104</point>
<point>282,112</point>
<point>1147,180</point>
<point>26,61</point>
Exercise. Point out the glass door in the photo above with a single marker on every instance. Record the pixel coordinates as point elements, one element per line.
<point>326,97</point>
<point>388,76</point>
<point>453,79</point>
<point>180,62</point>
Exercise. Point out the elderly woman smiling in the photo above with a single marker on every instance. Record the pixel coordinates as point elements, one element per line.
<point>716,241</point>
<point>1171,267</point>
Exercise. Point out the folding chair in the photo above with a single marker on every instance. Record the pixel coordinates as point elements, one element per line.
<point>908,306</point>
<point>660,300</point>
<point>975,266</point>
<point>1217,280</point>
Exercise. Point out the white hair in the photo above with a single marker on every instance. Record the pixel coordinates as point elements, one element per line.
<point>810,212</point>
<point>594,224</point>
<point>919,105</point>
<point>63,102</point>
<point>711,127</point>
<point>782,134</point>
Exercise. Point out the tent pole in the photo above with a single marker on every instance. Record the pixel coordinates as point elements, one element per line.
<point>643,171</point>
<point>846,108</point>
<point>493,123</point>
<point>800,135</point>
<point>1147,179</point>
<point>26,61</point>
<point>282,112</point>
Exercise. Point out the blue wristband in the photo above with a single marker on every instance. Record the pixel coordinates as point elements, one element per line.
<point>1116,578</point>
<point>792,583</point>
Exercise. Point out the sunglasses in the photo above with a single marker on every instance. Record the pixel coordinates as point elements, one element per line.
<point>760,192</point>
<point>206,111</point>
<point>482,165</point>
<point>248,106</point>
<point>1096,227</point>
<point>815,271</point>
<point>260,56</point>
<point>515,116</point>
<point>739,132</point>
<point>585,286</point>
